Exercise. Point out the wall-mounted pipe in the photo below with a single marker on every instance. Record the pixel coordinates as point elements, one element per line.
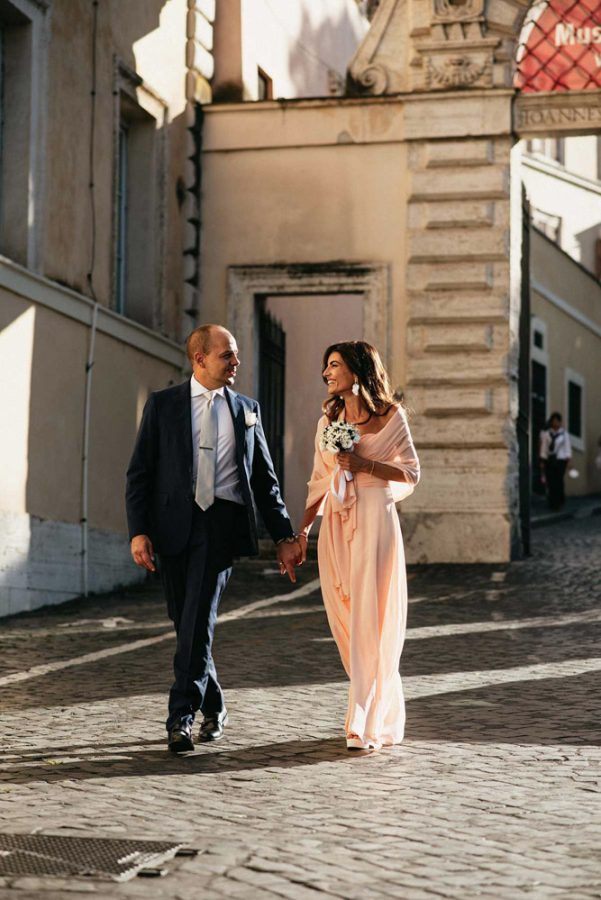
<point>84,515</point>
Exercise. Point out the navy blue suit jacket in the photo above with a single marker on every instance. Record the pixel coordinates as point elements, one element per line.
<point>159,498</point>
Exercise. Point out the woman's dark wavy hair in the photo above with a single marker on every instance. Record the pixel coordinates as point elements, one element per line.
<point>374,384</point>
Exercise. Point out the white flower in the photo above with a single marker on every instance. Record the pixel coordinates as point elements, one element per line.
<point>250,418</point>
<point>339,436</point>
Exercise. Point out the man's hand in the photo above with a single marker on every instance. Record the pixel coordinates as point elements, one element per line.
<point>289,556</point>
<point>142,552</point>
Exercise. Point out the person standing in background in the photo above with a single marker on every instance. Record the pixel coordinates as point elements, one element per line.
<point>555,454</point>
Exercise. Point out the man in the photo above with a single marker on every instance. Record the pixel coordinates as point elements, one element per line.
<point>555,454</point>
<point>199,470</point>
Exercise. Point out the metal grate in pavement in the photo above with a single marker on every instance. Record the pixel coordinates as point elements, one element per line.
<point>104,858</point>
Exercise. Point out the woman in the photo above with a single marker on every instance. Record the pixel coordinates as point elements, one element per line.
<point>360,548</point>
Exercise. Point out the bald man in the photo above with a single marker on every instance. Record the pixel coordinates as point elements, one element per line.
<point>200,469</point>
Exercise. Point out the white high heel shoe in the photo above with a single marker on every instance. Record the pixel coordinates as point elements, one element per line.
<point>353,742</point>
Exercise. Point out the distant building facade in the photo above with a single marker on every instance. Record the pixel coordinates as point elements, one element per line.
<point>562,179</point>
<point>566,358</point>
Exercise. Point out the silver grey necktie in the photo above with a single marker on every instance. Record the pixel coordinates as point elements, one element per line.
<point>207,452</point>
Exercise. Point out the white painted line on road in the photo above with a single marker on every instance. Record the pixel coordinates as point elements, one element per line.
<point>498,576</point>
<point>303,591</point>
<point>47,668</point>
<point>589,616</point>
<point>417,686</point>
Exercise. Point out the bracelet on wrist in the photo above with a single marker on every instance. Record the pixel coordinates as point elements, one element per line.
<point>292,539</point>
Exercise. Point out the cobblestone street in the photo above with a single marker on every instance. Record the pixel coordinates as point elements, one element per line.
<point>496,791</point>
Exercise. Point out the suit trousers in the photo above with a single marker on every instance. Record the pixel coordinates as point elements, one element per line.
<point>194,581</point>
<point>555,470</point>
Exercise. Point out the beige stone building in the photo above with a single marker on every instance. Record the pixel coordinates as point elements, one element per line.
<point>100,266</point>
<point>566,357</point>
<point>131,208</point>
<point>99,242</point>
<point>396,215</point>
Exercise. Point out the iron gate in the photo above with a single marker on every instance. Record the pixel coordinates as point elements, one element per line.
<point>272,386</point>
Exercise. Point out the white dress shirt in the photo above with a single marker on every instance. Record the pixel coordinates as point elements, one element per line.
<point>227,481</point>
<point>562,448</point>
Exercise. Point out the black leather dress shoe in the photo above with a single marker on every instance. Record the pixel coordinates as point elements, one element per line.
<point>212,727</point>
<point>180,738</point>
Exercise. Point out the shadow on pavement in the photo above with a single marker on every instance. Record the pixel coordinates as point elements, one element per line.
<point>132,763</point>
<point>562,711</point>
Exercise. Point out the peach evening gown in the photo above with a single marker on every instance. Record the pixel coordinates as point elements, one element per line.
<point>363,580</point>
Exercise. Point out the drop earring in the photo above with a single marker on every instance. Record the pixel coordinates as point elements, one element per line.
<point>355,388</point>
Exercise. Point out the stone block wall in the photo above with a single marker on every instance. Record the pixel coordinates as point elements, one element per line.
<point>459,335</point>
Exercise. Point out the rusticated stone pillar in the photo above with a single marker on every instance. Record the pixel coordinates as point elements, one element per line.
<point>461,342</point>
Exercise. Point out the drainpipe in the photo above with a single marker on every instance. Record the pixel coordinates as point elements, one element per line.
<point>85,556</point>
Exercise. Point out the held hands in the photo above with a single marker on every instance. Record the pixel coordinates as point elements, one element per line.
<point>142,552</point>
<point>289,556</point>
<point>352,462</point>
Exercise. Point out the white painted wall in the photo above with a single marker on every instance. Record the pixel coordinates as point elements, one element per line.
<point>581,156</point>
<point>17,324</point>
<point>44,333</point>
<point>570,191</point>
<point>304,46</point>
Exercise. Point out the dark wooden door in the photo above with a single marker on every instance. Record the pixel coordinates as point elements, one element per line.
<point>272,386</point>
<point>538,415</point>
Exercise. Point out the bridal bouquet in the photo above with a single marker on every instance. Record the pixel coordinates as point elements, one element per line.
<point>339,436</point>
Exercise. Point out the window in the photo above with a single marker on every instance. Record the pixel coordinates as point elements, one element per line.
<point>139,214</point>
<point>539,339</point>
<point>575,408</point>
<point>552,148</point>
<point>23,51</point>
<point>546,222</point>
<point>265,86</point>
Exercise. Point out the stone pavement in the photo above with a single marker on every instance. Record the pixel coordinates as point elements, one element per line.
<point>495,793</point>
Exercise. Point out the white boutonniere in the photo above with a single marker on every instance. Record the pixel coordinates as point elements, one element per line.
<point>250,418</point>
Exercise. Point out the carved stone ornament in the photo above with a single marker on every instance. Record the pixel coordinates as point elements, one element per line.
<point>447,11</point>
<point>424,45</point>
<point>458,72</point>
<point>380,65</point>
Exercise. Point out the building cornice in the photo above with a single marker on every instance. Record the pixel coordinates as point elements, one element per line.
<point>44,292</point>
<point>325,102</point>
<point>565,307</point>
<point>555,170</point>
